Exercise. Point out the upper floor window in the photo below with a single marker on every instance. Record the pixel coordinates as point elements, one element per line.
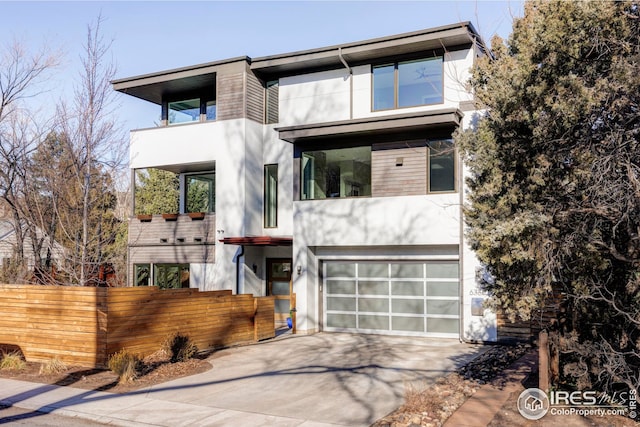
<point>342,172</point>
<point>201,192</point>
<point>408,84</point>
<point>271,102</point>
<point>184,111</point>
<point>189,110</point>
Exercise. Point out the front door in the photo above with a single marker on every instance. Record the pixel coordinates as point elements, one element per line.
<point>280,286</point>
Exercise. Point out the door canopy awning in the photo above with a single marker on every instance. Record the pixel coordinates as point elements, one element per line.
<point>258,241</point>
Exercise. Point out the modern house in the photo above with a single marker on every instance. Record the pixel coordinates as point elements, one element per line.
<point>328,173</point>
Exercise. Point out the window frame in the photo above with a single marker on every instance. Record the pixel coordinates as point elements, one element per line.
<point>454,154</point>
<point>268,196</point>
<point>212,200</point>
<point>337,148</point>
<point>396,81</point>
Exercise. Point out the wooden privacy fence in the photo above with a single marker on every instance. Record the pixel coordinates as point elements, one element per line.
<point>83,326</point>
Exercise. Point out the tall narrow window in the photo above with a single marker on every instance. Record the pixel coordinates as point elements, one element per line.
<point>270,196</point>
<point>271,103</point>
<point>442,176</point>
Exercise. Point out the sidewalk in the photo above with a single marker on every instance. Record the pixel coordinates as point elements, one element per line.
<point>479,409</point>
<point>131,409</point>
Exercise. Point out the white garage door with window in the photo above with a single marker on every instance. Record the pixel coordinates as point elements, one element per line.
<point>399,298</point>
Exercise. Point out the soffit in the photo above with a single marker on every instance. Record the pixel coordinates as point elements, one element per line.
<point>413,122</point>
<point>153,87</point>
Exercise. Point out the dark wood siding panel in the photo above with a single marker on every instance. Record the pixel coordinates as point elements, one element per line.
<point>230,96</point>
<point>255,98</point>
<point>172,254</point>
<point>145,233</point>
<point>389,179</point>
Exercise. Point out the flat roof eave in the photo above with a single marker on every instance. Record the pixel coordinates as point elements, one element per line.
<point>426,120</point>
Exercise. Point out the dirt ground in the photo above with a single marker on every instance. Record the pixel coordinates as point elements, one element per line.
<point>157,369</point>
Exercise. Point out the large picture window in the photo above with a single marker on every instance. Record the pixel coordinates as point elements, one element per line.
<point>201,192</point>
<point>344,172</point>
<point>408,84</point>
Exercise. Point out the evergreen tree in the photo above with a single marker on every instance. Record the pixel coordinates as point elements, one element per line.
<point>157,191</point>
<point>555,178</point>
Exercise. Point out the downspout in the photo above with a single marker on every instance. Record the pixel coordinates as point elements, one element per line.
<point>350,81</point>
<point>241,254</point>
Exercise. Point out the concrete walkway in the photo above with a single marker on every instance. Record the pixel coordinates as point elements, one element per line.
<point>311,381</point>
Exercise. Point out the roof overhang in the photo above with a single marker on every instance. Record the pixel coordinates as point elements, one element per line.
<point>413,122</point>
<point>445,37</point>
<point>258,241</point>
<point>156,86</point>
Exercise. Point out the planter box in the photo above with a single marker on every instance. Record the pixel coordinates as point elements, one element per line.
<point>170,217</point>
<point>144,218</point>
<point>196,216</point>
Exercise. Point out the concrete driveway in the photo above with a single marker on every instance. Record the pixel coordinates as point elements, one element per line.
<point>331,378</point>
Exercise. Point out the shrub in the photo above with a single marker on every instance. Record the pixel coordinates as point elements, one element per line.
<point>53,366</point>
<point>180,347</point>
<point>12,361</point>
<point>125,365</point>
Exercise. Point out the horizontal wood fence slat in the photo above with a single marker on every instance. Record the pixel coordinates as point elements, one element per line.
<point>84,326</point>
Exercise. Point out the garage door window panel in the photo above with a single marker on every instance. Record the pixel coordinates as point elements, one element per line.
<point>408,306</point>
<point>375,305</point>
<point>370,287</point>
<point>342,321</point>
<point>341,287</point>
<point>371,322</point>
<point>408,324</point>
<point>446,326</point>
<point>341,304</point>
<point>442,289</point>
<point>406,288</point>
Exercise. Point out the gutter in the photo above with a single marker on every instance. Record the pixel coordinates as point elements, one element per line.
<point>344,62</point>
<point>241,254</point>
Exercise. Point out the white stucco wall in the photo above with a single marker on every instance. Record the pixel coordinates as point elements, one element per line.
<point>314,98</point>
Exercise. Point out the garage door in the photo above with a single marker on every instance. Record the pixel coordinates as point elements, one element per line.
<point>399,298</point>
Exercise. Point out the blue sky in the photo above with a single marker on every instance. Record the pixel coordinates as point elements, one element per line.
<point>152,36</point>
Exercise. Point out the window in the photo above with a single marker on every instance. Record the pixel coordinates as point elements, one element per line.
<point>190,110</point>
<point>271,102</point>
<point>441,166</point>
<point>201,192</point>
<point>271,196</point>
<point>171,276</point>
<point>408,84</point>
<point>344,172</point>
<point>142,274</point>
<point>165,276</point>
<point>184,111</point>
<point>211,110</point>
